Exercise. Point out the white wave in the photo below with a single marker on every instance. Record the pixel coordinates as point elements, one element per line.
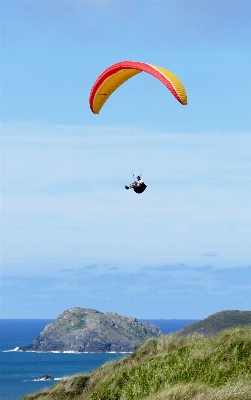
<point>7,351</point>
<point>118,352</point>
<point>70,352</point>
<point>43,380</point>
<point>66,351</point>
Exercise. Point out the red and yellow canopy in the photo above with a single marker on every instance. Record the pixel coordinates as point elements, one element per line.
<point>118,73</point>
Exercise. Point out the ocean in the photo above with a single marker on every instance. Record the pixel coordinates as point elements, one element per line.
<point>19,370</point>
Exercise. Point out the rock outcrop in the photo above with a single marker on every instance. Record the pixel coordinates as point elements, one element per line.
<point>45,378</point>
<point>86,330</point>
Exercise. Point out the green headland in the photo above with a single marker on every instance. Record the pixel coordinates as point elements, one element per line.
<point>171,367</point>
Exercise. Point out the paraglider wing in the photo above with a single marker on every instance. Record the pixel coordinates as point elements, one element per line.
<point>117,74</point>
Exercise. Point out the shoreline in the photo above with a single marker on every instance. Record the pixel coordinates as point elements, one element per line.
<point>17,350</point>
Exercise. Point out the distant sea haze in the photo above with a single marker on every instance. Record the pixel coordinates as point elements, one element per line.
<point>20,370</point>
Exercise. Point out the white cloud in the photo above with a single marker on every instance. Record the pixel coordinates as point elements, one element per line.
<point>166,291</point>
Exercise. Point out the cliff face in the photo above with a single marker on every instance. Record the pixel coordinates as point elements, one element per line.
<point>217,322</point>
<point>82,329</point>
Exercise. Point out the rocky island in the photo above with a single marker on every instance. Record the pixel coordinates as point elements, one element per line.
<point>86,330</point>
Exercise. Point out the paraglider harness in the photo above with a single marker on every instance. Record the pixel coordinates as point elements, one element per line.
<point>139,187</point>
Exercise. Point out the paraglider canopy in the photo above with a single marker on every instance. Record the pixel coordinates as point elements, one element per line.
<point>115,75</point>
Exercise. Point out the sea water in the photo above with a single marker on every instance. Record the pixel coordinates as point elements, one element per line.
<point>19,371</point>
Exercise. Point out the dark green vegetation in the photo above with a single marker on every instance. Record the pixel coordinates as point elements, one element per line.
<point>83,329</point>
<point>74,322</point>
<point>170,367</point>
<point>215,323</point>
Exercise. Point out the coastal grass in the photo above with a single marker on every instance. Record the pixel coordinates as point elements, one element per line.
<point>168,368</point>
<point>67,388</point>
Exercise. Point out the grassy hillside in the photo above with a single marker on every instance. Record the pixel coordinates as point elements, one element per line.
<point>168,368</point>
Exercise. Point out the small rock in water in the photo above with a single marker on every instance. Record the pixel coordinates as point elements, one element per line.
<point>46,378</point>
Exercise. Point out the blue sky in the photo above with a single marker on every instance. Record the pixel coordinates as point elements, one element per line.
<point>70,233</point>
